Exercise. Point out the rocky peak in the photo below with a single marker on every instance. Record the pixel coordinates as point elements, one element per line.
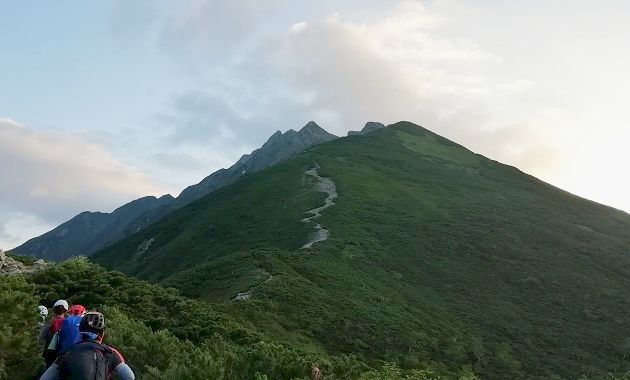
<point>312,134</point>
<point>277,136</point>
<point>372,126</point>
<point>312,129</point>
<point>311,126</point>
<point>243,159</point>
<point>369,127</point>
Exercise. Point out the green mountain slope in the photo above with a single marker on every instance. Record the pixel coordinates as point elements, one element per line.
<point>435,254</point>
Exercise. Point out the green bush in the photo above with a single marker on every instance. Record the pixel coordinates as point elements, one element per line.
<point>162,334</point>
<point>18,328</point>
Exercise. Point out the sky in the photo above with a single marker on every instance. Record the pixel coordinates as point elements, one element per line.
<point>104,102</point>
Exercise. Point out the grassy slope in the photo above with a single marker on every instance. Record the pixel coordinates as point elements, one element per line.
<point>435,254</point>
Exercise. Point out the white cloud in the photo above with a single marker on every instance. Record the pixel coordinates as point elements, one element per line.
<point>51,176</point>
<point>342,70</point>
<point>519,85</point>
<point>298,27</point>
<point>17,227</point>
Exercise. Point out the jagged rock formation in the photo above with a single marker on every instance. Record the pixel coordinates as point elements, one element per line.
<point>9,265</point>
<point>369,127</point>
<point>279,147</point>
<point>89,232</point>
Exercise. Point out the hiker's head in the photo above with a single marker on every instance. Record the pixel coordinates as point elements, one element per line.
<point>60,307</point>
<point>77,310</point>
<point>43,311</point>
<point>92,326</point>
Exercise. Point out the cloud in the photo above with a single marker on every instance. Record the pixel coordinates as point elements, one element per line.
<point>391,64</point>
<point>256,70</point>
<point>5,236</point>
<point>179,161</point>
<point>54,175</point>
<point>519,85</point>
<point>217,29</point>
<point>17,227</point>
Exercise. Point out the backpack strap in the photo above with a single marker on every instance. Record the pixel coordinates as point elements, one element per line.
<point>52,344</point>
<point>100,365</point>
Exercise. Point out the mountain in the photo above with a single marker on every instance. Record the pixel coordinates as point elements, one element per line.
<point>423,253</point>
<point>89,232</point>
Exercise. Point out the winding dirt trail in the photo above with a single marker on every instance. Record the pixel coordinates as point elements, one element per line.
<point>324,185</point>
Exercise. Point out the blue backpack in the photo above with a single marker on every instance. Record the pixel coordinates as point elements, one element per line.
<point>69,333</point>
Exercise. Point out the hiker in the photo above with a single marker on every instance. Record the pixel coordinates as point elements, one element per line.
<point>51,335</point>
<point>90,358</point>
<point>44,328</point>
<point>43,313</point>
<point>69,332</point>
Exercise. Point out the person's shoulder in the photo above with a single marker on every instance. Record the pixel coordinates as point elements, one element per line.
<point>58,319</point>
<point>116,353</point>
<point>56,323</point>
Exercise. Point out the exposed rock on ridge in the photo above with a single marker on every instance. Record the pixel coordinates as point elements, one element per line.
<point>369,127</point>
<point>278,147</point>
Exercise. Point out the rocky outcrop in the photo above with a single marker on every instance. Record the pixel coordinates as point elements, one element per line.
<point>279,147</point>
<point>9,265</point>
<point>370,126</point>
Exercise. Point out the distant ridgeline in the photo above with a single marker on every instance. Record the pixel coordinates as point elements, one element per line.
<point>88,232</point>
<point>435,258</point>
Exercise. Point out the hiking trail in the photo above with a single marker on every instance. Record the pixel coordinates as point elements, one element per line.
<point>242,296</point>
<point>324,185</point>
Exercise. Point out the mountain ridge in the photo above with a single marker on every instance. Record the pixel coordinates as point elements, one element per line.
<point>87,232</point>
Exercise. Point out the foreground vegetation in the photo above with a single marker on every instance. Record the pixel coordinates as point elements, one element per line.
<point>162,334</point>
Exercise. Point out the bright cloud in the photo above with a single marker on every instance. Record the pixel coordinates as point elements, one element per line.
<point>48,174</point>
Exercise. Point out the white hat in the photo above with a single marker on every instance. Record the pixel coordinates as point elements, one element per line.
<point>63,303</point>
<point>43,310</point>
